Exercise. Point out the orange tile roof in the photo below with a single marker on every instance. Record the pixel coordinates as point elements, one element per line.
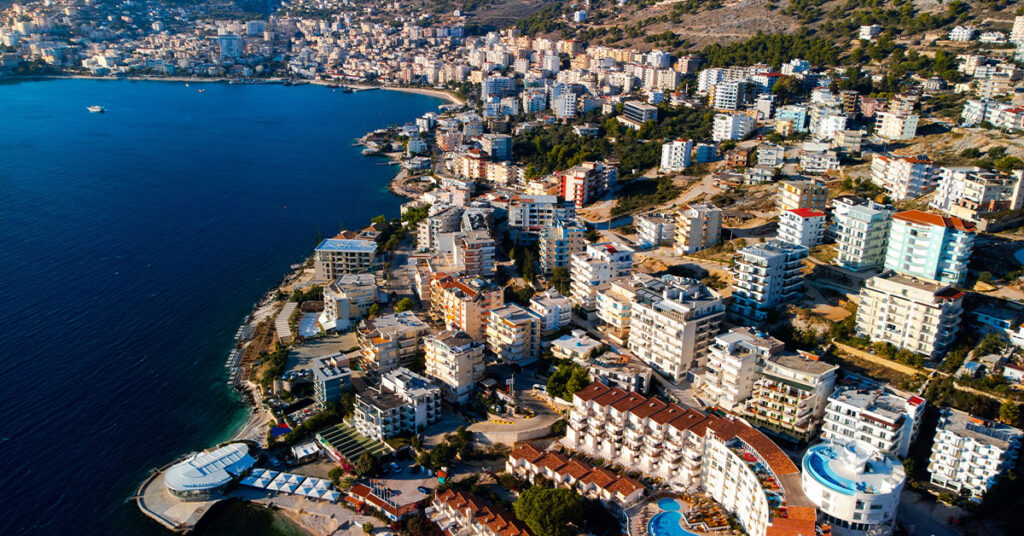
<point>652,406</point>
<point>670,413</point>
<point>593,391</point>
<point>927,218</point>
<point>526,452</point>
<point>628,403</point>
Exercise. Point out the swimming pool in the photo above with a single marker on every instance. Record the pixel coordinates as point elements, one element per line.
<point>667,524</point>
<point>668,505</point>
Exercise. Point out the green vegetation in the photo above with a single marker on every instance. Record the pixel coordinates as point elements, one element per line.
<point>640,194</point>
<point>457,443</point>
<point>568,378</point>
<point>774,49</point>
<point>313,293</point>
<point>545,21</point>
<point>272,365</point>
<point>549,511</point>
<point>405,304</point>
<point>546,150</point>
<point>366,465</point>
<point>416,215</point>
<point>560,280</point>
<point>331,415</point>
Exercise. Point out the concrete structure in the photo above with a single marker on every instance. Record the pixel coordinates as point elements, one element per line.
<point>405,402</point>
<point>903,177</point>
<point>554,310</point>
<point>970,193</point>
<point>766,275</point>
<point>731,126</point>
<point>732,366</point>
<point>558,242</point>
<point>464,303</point>
<point>576,346</point>
<point>929,246</point>
<point>727,96</point>
<point>331,377</point>
<point>697,227</point>
<point>587,182</point>
<point>529,214</point>
<point>862,235</point>
<point>599,263</point>
<point>801,194</point>
<point>969,452</point>
<point>459,512</point>
<point>895,126</point>
<point>335,257</point>
<point>671,329</point>
<point>347,300</point>
<point>855,486</point>
<point>655,229</point>
<point>615,302</point>
<point>456,361</point>
<point>790,393</point>
<point>675,155</point>
<point>868,412</point>
<point>635,114</point>
<point>513,334</point>
<point>802,226</point>
<point>912,314</point>
<point>390,341</point>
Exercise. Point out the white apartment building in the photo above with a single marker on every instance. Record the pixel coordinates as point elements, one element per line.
<point>676,155</point>
<point>802,226</point>
<point>526,461</point>
<point>968,193</point>
<point>970,452</point>
<point>909,313</point>
<point>771,155</point>
<point>697,227</point>
<point>514,333</point>
<point>335,257</point>
<point>655,229</point>
<point>732,366</point>
<point>869,412</point>
<point>862,235</point>
<point>615,302</point>
<point>405,402</point>
<point>893,126</point>
<point>597,264</point>
<point>903,177</point>
<point>868,33</point>
<point>962,33</point>
<point>529,214</point>
<point>801,194</point>
<point>555,310</point>
<point>456,362</point>
<point>441,218</point>
<point>671,330</point>
<point>347,300</point>
<point>930,246</point>
<point>731,126</point>
<point>558,242</point>
<point>790,393</point>
<point>815,157</point>
<point>855,486</point>
<point>390,341</point>
<point>765,276</point>
<point>727,95</point>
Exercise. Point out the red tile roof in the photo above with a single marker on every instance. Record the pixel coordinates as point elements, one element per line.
<point>927,218</point>
<point>807,213</point>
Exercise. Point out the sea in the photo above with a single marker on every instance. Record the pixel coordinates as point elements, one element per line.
<point>133,243</point>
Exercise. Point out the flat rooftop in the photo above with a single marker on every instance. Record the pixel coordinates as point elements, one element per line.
<point>342,245</point>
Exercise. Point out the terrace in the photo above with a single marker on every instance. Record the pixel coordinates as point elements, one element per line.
<point>767,479</point>
<point>345,445</point>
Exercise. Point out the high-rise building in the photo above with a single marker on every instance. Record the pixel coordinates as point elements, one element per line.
<point>390,341</point>
<point>514,333</point>
<point>801,194</point>
<point>697,227</point>
<point>893,126</point>
<point>529,214</point>
<point>671,330</point>
<point>586,182</point>
<point>558,242</point>
<point>331,377</point>
<point>405,402</point>
<point>912,314</point>
<point>335,257</point>
<point>728,96</point>
<point>731,126</point>
<point>456,361</point>
<point>866,411</point>
<point>930,246</point>
<point>969,452</point>
<point>464,303</point>
<point>675,155</point>
<point>347,300</point>
<point>969,193</point>
<point>597,264</point>
<point>802,226</point>
<point>766,275</point>
<point>655,228</point>
<point>903,177</point>
<point>862,234</point>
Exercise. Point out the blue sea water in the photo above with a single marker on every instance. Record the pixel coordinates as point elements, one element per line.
<point>132,244</point>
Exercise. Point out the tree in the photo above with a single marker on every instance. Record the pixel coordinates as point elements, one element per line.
<point>1009,412</point>
<point>549,511</point>
<point>403,305</point>
<point>366,465</point>
<point>368,527</point>
<point>567,379</point>
<point>374,311</point>
<point>786,87</point>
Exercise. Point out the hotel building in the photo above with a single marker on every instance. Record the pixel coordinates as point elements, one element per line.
<point>909,313</point>
<point>969,452</point>
<point>456,361</point>
<point>697,227</point>
<point>597,264</point>
<point>930,246</point>
<point>335,257</point>
<point>868,412</point>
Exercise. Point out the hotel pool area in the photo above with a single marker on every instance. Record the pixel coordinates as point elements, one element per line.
<point>667,524</point>
<point>669,505</point>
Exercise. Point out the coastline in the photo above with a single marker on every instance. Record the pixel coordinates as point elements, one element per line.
<point>430,92</point>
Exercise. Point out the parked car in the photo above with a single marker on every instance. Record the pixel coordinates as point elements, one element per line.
<point>425,490</point>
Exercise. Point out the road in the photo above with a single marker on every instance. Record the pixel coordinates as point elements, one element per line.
<point>922,517</point>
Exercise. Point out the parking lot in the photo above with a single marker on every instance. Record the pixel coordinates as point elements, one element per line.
<point>404,484</point>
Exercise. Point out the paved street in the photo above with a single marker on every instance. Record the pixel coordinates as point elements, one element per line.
<point>923,517</point>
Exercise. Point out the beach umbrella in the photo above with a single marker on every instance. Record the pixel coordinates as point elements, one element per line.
<point>261,483</point>
<point>322,485</point>
<point>270,475</point>
<point>331,495</point>
<point>295,479</point>
<point>288,487</point>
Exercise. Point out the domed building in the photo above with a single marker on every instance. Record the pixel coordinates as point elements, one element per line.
<point>855,486</point>
<point>204,475</point>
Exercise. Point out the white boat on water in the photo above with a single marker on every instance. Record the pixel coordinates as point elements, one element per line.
<point>96,109</point>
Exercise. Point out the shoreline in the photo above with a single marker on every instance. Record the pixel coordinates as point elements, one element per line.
<point>430,92</point>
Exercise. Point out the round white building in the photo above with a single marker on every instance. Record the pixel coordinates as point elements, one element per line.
<point>204,475</point>
<point>855,486</point>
